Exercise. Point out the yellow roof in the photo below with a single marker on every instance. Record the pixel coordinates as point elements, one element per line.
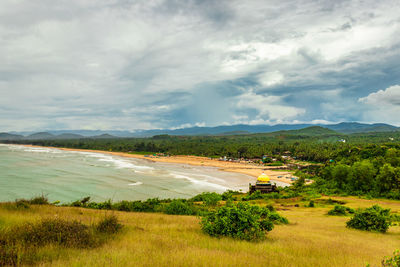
<point>263,178</point>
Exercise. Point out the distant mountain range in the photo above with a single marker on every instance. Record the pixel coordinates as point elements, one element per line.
<point>343,128</point>
<point>48,136</point>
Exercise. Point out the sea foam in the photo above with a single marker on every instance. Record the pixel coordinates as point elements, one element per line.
<point>199,182</point>
<point>117,162</point>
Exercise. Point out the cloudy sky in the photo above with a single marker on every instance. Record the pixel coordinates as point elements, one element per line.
<point>132,64</point>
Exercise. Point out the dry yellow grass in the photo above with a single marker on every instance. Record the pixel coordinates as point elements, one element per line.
<point>311,239</point>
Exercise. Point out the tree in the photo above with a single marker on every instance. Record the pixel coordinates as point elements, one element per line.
<point>388,178</point>
<point>242,150</point>
<point>364,176</point>
<point>341,174</point>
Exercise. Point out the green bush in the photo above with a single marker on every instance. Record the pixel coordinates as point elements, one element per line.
<point>241,221</point>
<point>228,195</point>
<point>180,207</point>
<point>24,203</point>
<point>150,205</point>
<point>311,204</point>
<point>339,210</point>
<point>109,225</point>
<point>39,200</point>
<point>55,231</point>
<point>123,206</point>
<point>270,207</point>
<point>209,199</point>
<point>393,261</point>
<point>255,195</point>
<point>374,218</point>
<point>20,204</point>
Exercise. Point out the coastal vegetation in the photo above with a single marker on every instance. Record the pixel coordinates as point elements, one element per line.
<point>310,238</point>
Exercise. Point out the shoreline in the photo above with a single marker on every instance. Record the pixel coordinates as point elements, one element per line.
<point>226,166</point>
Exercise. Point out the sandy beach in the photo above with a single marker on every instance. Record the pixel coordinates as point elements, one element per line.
<point>237,167</point>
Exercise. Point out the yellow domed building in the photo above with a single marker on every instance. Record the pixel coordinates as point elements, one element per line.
<point>263,185</point>
<point>263,179</point>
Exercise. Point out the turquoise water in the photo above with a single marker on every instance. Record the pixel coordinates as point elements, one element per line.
<point>70,175</point>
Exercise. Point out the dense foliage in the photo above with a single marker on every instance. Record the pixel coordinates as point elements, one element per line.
<point>305,145</point>
<point>241,221</point>
<point>374,218</point>
<point>339,210</point>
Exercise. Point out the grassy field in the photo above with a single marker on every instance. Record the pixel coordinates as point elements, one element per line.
<point>149,239</point>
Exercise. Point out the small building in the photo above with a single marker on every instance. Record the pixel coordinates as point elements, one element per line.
<point>263,185</point>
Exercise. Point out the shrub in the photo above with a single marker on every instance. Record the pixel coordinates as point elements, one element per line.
<point>180,207</point>
<point>106,205</point>
<point>392,261</point>
<point>270,207</point>
<point>339,210</point>
<point>374,218</point>
<point>209,199</point>
<point>395,219</point>
<point>109,225</point>
<point>80,203</point>
<point>39,200</point>
<point>123,206</point>
<point>241,221</point>
<point>228,195</point>
<point>256,195</point>
<point>55,231</point>
<point>19,245</point>
<point>150,205</point>
<point>311,204</point>
<point>20,204</point>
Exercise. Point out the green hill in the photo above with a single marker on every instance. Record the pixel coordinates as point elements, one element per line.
<point>312,131</point>
<point>7,136</point>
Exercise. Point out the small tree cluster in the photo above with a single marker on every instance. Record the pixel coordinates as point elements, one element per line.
<point>374,218</point>
<point>241,221</point>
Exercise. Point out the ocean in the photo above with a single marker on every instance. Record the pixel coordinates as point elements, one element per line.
<point>66,176</point>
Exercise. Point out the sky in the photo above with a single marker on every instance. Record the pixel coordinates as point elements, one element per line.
<point>152,64</point>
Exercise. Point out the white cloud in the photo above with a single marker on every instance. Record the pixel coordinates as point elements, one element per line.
<point>128,64</point>
<point>389,96</point>
<point>271,78</point>
<point>268,108</point>
<point>383,105</point>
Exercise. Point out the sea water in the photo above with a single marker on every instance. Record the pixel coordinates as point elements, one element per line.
<point>26,172</point>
